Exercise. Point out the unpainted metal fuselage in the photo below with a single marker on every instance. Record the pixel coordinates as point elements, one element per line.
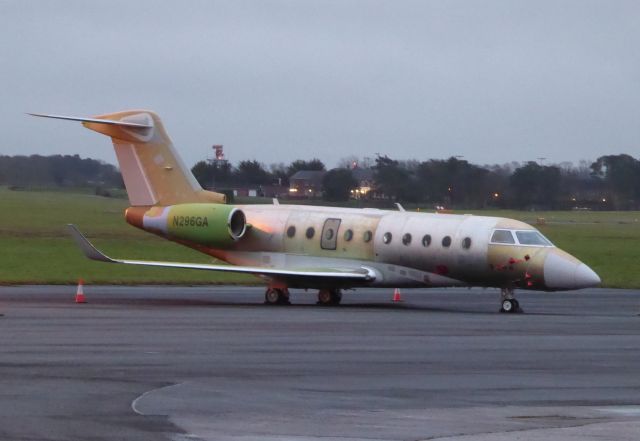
<point>406,249</point>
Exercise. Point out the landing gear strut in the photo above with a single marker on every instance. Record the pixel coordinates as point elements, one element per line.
<point>329,297</point>
<point>508,301</point>
<point>276,296</point>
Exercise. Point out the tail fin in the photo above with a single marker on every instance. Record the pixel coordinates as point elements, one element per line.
<point>153,172</point>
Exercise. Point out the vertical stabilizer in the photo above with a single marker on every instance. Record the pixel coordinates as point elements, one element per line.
<point>153,172</point>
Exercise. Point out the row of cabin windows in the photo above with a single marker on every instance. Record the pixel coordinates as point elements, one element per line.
<point>426,240</point>
<point>386,238</point>
<point>348,235</point>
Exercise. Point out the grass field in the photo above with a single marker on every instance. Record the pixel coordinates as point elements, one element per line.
<point>35,248</point>
<point>607,241</point>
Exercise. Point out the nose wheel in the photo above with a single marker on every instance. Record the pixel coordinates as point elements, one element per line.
<point>276,296</point>
<point>508,301</point>
<point>510,305</point>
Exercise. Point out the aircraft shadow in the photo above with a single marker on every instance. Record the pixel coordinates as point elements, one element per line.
<point>187,303</point>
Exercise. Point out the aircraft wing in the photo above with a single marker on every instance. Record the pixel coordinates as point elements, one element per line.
<point>356,275</point>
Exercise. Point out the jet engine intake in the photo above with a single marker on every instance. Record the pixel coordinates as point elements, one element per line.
<point>237,224</point>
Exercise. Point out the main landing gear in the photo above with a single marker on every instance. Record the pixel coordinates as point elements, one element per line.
<point>508,301</point>
<point>329,297</point>
<point>276,296</point>
<point>280,296</point>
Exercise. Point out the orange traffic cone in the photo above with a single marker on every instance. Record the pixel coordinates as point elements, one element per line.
<point>80,298</point>
<point>396,295</point>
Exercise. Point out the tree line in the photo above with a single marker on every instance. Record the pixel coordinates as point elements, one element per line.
<point>610,182</point>
<point>221,174</point>
<point>57,171</point>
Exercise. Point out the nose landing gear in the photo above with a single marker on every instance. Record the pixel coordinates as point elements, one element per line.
<point>508,301</point>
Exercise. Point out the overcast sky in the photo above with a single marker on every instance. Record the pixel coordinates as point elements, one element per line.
<point>494,81</point>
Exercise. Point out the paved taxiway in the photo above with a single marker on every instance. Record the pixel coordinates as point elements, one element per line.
<point>212,363</point>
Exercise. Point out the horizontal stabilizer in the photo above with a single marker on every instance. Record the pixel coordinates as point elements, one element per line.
<point>95,120</point>
<point>361,274</point>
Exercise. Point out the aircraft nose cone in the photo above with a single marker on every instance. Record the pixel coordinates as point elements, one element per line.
<point>563,271</point>
<point>586,277</point>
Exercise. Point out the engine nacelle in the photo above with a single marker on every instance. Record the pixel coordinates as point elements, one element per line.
<point>215,225</point>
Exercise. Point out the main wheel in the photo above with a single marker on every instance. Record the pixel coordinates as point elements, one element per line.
<point>275,296</point>
<point>271,296</point>
<point>329,297</point>
<point>324,297</point>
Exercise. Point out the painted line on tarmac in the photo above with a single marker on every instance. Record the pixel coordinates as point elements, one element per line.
<point>134,403</point>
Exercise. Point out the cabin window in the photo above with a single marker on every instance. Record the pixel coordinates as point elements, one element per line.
<point>426,240</point>
<point>532,238</point>
<point>368,235</point>
<point>502,236</point>
<point>446,241</point>
<point>466,243</point>
<point>291,231</point>
<point>406,239</point>
<point>348,235</point>
<point>310,232</point>
<point>387,237</point>
<point>329,233</point>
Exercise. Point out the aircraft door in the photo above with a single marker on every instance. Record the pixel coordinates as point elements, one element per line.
<point>329,239</point>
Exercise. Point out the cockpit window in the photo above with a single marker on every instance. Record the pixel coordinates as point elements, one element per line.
<point>502,236</point>
<point>532,238</point>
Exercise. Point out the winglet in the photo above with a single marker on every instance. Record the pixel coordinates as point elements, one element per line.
<point>87,248</point>
<point>400,207</point>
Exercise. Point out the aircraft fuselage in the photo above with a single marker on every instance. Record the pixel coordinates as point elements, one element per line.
<point>407,249</point>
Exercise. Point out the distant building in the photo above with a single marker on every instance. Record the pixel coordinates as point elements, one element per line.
<point>364,177</point>
<point>306,184</point>
<point>266,191</point>
<point>246,192</point>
